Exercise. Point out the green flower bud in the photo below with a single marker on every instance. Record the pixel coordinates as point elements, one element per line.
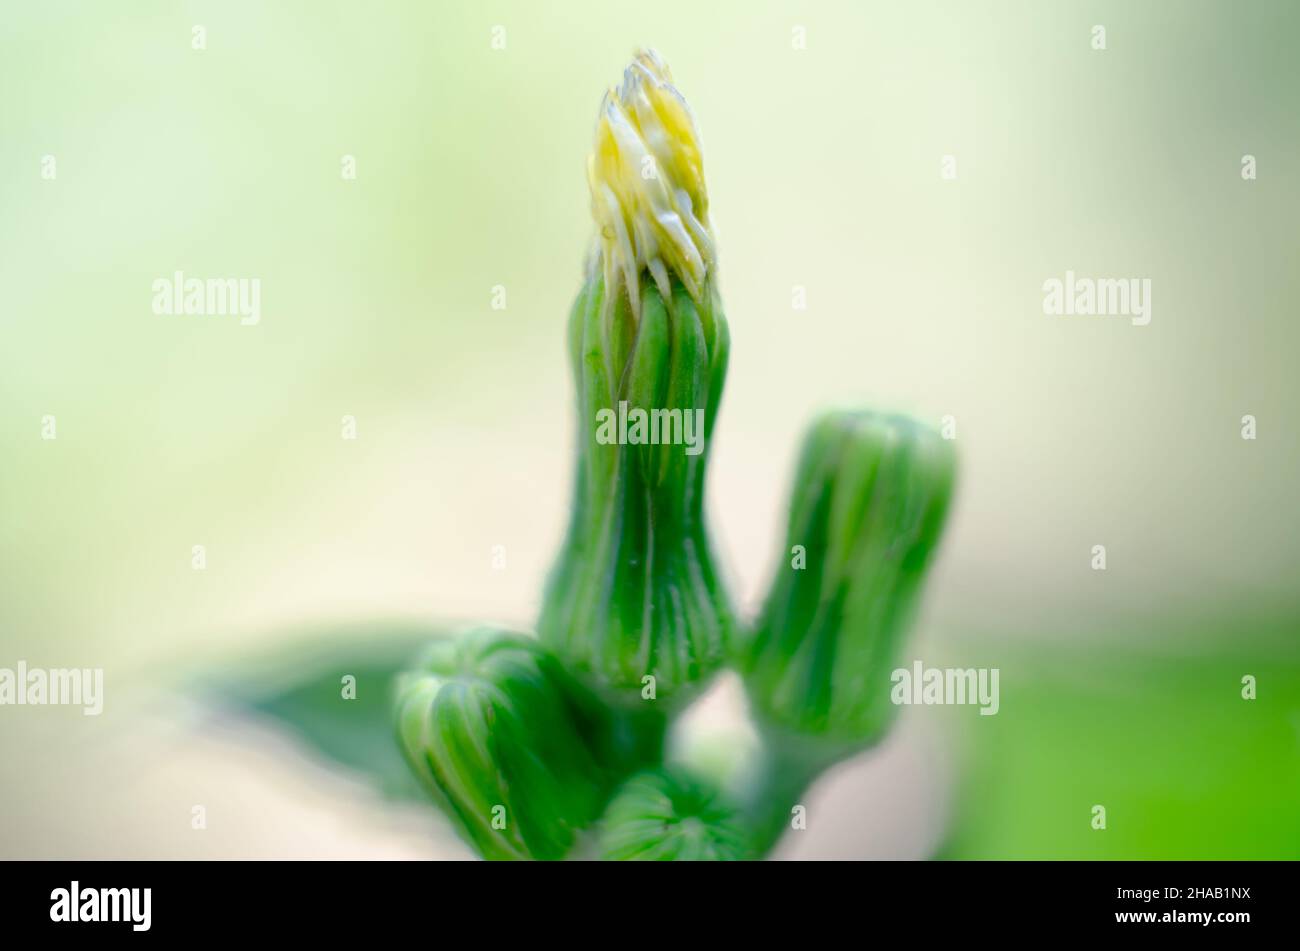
<point>488,725</point>
<point>635,593</point>
<point>668,816</point>
<point>868,506</point>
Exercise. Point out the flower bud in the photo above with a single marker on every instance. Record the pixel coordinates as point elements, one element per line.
<point>634,603</point>
<point>666,815</point>
<point>487,724</point>
<point>867,509</point>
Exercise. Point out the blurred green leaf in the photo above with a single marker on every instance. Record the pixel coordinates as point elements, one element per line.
<point>301,689</point>
<point>1185,767</point>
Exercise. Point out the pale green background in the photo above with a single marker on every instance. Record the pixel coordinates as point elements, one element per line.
<point>824,171</point>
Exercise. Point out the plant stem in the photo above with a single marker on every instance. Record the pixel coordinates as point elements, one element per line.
<point>789,765</point>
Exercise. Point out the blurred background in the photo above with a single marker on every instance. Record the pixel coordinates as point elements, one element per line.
<point>825,127</point>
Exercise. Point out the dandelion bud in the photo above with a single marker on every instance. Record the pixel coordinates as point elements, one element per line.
<point>666,815</point>
<point>867,509</point>
<point>634,600</point>
<point>487,724</point>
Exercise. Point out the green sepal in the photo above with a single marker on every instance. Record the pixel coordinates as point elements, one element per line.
<point>667,815</point>
<point>490,724</point>
<point>635,592</point>
<point>869,501</point>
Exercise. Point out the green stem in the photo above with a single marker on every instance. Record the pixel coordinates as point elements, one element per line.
<point>790,763</point>
<point>637,737</point>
